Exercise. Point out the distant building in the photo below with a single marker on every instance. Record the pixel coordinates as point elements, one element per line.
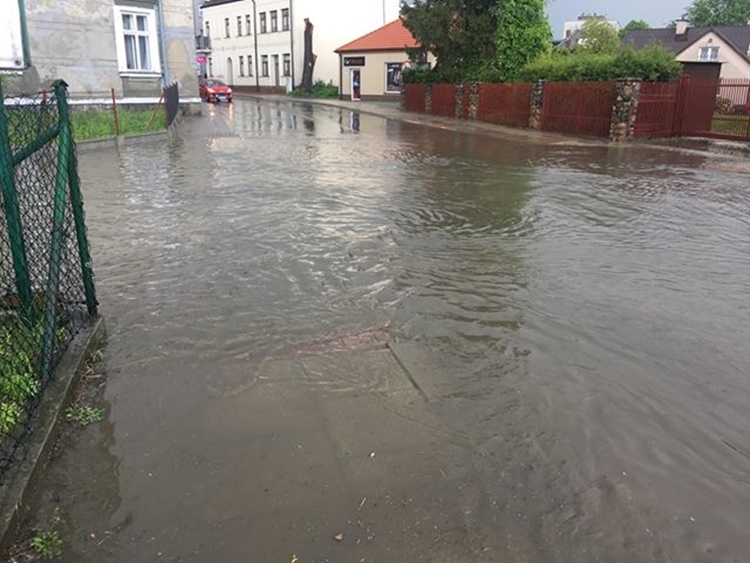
<point>571,27</point>
<point>259,44</point>
<point>726,45</point>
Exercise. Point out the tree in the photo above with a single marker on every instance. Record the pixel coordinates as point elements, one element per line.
<point>632,25</point>
<point>706,13</point>
<point>309,59</point>
<point>460,33</point>
<point>523,34</point>
<point>597,36</point>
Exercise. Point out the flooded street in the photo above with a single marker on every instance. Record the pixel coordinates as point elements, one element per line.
<point>576,319</point>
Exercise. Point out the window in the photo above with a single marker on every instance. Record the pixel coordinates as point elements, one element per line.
<point>248,25</point>
<point>210,66</point>
<point>242,65</point>
<point>287,64</point>
<point>249,65</point>
<point>226,27</point>
<point>393,78</point>
<point>274,21</point>
<point>239,26</point>
<point>208,29</point>
<point>264,65</point>
<point>263,22</point>
<point>285,19</point>
<point>708,54</point>
<point>137,43</point>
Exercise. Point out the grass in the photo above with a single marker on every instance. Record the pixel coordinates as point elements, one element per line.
<point>319,90</point>
<point>738,125</point>
<point>48,542</point>
<point>84,414</point>
<point>100,123</point>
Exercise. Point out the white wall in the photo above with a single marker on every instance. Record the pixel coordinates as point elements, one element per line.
<point>336,22</point>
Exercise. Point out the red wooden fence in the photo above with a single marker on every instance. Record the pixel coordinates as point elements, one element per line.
<point>506,104</point>
<point>444,100</point>
<point>656,109</point>
<point>578,108</point>
<point>414,98</point>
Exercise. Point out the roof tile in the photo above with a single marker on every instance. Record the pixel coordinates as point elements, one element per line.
<point>391,37</point>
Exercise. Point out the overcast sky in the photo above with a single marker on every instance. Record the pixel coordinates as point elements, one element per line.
<point>656,12</point>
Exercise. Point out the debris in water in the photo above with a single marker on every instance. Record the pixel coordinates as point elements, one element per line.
<point>339,537</point>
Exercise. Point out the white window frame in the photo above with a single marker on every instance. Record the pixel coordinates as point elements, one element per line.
<point>153,40</point>
<point>704,53</point>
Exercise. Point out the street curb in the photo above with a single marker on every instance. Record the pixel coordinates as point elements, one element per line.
<point>111,142</point>
<point>21,478</point>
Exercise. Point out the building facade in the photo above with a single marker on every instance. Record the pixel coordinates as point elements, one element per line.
<point>725,45</point>
<point>371,66</point>
<point>258,45</point>
<point>133,46</point>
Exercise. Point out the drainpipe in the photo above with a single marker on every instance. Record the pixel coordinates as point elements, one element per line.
<point>291,37</point>
<point>255,42</point>
<point>162,43</point>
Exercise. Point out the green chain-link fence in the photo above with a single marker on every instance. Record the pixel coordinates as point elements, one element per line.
<point>46,282</point>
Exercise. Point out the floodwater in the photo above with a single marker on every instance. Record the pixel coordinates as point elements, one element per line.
<point>587,308</point>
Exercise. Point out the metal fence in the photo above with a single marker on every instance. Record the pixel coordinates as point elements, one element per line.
<point>656,109</point>
<point>46,282</point>
<point>578,108</point>
<point>506,104</point>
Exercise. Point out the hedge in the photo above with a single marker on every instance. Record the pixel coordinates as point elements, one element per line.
<point>654,63</point>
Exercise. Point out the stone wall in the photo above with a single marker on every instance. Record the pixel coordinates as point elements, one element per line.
<point>537,104</point>
<point>624,109</point>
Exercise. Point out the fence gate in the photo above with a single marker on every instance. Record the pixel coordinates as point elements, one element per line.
<point>718,109</point>
<point>578,109</point>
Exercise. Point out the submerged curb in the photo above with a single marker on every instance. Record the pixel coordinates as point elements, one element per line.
<point>110,142</point>
<point>21,478</point>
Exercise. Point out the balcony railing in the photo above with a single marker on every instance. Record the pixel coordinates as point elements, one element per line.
<point>202,43</point>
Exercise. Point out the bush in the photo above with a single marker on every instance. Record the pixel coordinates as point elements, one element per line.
<point>723,105</point>
<point>320,89</point>
<point>741,109</point>
<point>653,63</point>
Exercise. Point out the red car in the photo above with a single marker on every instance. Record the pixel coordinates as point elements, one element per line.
<point>214,90</point>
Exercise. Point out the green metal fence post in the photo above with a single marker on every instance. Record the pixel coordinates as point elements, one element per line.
<point>76,200</point>
<point>58,225</point>
<point>11,208</point>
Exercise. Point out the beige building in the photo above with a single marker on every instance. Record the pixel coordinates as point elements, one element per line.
<point>370,67</point>
<point>727,45</point>
<point>135,47</point>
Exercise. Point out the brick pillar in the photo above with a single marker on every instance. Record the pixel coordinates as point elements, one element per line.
<point>459,111</point>
<point>473,100</point>
<point>428,98</point>
<point>537,104</point>
<point>624,109</point>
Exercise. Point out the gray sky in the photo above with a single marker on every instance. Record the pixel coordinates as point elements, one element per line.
<point>656,12</point>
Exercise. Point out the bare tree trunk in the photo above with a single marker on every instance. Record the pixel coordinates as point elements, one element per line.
<point>310,57</point>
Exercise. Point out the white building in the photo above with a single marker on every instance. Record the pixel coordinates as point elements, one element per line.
<point>571,28</point>
<point>259,44</point>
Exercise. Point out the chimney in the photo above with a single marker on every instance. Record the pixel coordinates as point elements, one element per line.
<point>682,27</point>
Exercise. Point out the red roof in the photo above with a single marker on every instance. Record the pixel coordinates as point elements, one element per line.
<point>391,37</point>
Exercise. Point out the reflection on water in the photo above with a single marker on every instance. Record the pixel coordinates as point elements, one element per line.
<point>589,306</point>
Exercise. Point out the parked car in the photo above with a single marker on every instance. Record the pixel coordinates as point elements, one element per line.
<point>214,90</point>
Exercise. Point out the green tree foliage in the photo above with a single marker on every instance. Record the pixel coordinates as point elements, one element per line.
<point>632,25</point>
<point>706,13</point>
<point>460,33</point>
<point>598,37</point>
<point>653,63</point>
<point>523,35</point>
